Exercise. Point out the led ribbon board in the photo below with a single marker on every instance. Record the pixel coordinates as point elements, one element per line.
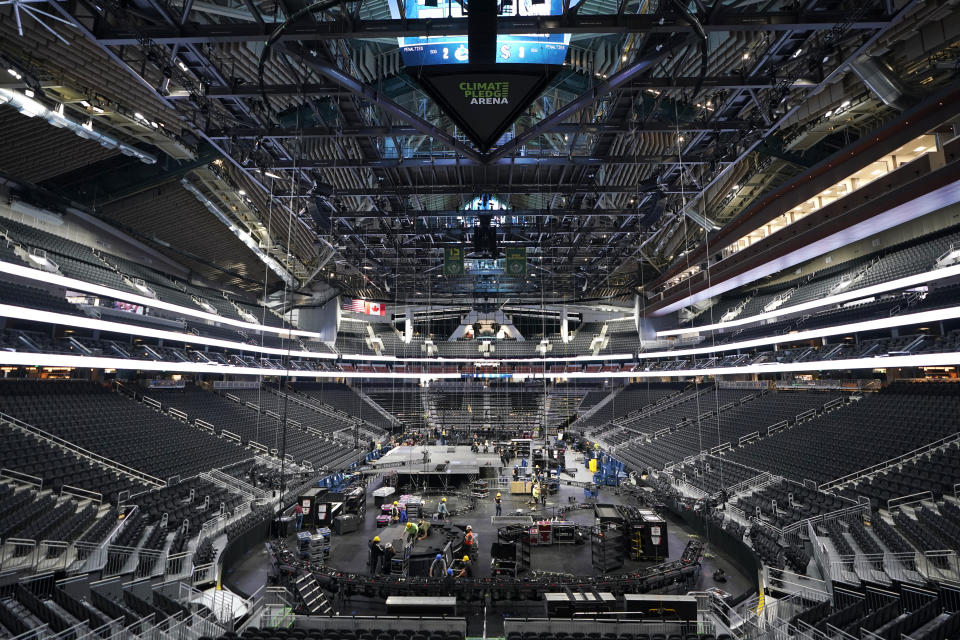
<point>539,49</point>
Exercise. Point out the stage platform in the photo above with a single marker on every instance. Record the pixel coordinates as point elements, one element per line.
<point>439,460</point>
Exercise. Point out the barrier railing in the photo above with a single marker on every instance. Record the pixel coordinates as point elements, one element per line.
<point>779,426</point>
<point>17,553</point>
<point>80,451</point>
<point>52,555</point>
<point>750,483</point>
<point>21,478</point>
<point>906,501</point>
<point>178,565</point>
<point>227,481</point>
<point>204,573</point>
<point>256,446</point>
<point>886,464</point>
<point>81,494</point>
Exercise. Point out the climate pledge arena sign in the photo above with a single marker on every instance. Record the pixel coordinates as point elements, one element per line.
<point>486,92</point>
<point>484,104</point>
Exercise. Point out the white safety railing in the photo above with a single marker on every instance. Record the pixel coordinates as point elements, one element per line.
<point>80,451</point>
<point>880,467</point>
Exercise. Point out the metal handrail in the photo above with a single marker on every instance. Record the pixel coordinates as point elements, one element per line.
<point>96,457</point>
<point>898,460</point>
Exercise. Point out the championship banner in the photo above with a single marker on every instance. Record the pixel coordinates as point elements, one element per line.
<point>452,261</point>
<point>516,261</point>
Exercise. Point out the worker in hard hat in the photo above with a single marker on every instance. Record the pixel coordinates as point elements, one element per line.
<point>424,529</point>
<point>499,501</point>
<point>395,511</point>
<point>412,531</point>
<point>466,568</point>
<point>438,568</point>
<point>376,553</point>
<point>442,510</point>
<point>470,542</point>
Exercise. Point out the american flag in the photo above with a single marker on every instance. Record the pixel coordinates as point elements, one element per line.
<point>358,306</point>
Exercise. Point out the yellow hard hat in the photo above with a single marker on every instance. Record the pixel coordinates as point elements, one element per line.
<point>395,502</point>
<point>466,558</point>
<point>409,524</point>
<point>443,499</point>
<point>376,538</point>
<point>498,494</point>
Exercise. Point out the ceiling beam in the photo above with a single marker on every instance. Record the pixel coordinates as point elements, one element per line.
<point>526,161</point>
<point>363,90</point>
<point>396,131</point>
<point>344,29</point>
<point>474,189</point>
<point>657,84</point>
<point>696,198</point>
<point>447,213</point>
<point>646,60</point>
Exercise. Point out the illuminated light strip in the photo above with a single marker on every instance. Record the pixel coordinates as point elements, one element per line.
<point>921,206</point>
<point>37,315</point>
<point>935,315</point>
<point>67,320</point>
<point>488,361</point>
<point>866,292</point>
<point>16,358</point>
<point>80,285</point>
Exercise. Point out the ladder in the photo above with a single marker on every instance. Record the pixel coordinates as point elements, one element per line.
<point>314,599</point>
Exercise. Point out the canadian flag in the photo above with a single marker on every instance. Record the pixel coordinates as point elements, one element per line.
<point>374,309</point>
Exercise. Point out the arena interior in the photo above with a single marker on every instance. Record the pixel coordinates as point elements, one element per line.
<point>470,319</point>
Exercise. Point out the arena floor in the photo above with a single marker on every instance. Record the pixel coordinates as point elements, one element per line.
<point>349,552</point>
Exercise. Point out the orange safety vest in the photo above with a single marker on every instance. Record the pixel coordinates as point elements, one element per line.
<point>468,539</point>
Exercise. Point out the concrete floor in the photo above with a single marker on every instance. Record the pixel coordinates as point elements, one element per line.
<point>349,552</point>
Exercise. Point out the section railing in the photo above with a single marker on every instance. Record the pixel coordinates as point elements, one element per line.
<point>80,451</point>
<point>880,467</point>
